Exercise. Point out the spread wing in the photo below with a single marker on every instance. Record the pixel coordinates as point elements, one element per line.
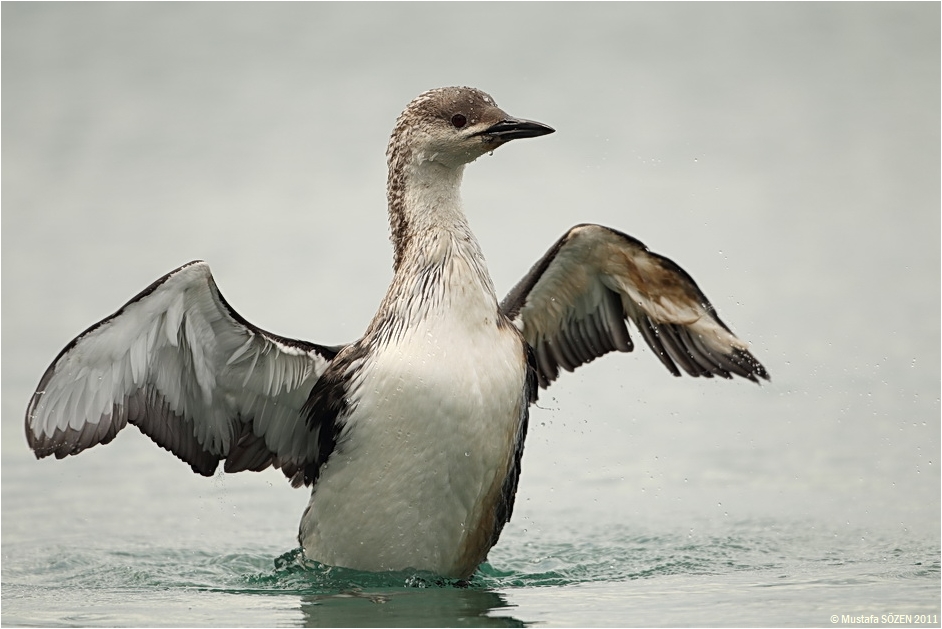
<point>193,375</point>
<point>574,304</point>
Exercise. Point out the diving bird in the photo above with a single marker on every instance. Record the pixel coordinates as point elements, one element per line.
<point>411,437</point>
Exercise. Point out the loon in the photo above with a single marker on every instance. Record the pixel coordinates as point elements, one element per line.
<point>411,437</point>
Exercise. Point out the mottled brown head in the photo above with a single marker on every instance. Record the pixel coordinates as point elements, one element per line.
<point>435,136</point>
<point>454,126</point>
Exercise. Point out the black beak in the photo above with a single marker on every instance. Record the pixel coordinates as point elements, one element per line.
<point>514,129</point>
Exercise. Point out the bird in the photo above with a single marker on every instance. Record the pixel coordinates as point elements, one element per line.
<point>411,438</point>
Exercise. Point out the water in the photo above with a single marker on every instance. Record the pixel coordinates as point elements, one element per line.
<point>786,155</point>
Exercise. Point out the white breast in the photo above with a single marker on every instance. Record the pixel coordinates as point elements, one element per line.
<point>421,461</point>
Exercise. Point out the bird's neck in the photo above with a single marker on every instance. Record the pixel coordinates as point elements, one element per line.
<point>437,259</point>
<point>424,207</point>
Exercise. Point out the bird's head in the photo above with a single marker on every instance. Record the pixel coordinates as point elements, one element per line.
<point>453,126</point>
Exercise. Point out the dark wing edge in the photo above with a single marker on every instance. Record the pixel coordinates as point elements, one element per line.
<point>508,492</point>
<point>574,304</point>
<point>192,374</point>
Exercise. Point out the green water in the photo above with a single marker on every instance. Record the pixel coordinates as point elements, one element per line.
<point>761,575</point>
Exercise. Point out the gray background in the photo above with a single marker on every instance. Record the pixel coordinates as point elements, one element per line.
<point>787,156</point>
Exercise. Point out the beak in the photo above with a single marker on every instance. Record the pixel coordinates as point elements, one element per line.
<point>515,129</point>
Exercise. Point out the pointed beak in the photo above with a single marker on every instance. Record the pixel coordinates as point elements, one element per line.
<point>515,129</point>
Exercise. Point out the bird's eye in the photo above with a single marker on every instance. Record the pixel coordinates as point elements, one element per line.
<point>458,120</point>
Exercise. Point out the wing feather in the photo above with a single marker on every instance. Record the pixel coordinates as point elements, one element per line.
<point>574,304</point>
<point>179,363</point>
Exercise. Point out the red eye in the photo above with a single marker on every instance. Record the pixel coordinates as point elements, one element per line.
<point>459,121</point>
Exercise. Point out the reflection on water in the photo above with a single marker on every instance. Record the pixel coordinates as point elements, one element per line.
<point>443,607</point>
